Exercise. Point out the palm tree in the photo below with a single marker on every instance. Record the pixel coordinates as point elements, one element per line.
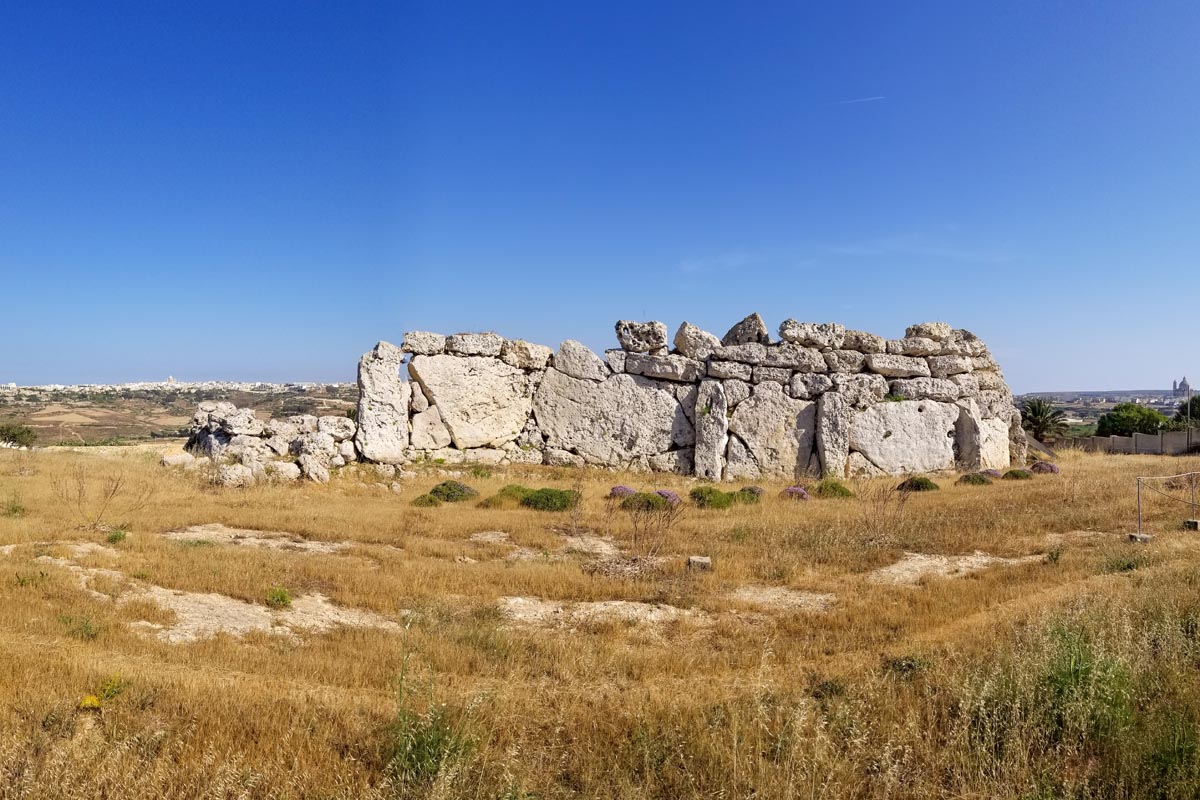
<point>1042,419</point>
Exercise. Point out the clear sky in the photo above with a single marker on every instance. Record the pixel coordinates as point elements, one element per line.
<point>260,190</point>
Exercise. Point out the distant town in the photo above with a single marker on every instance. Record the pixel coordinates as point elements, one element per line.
<point>1084,408</point>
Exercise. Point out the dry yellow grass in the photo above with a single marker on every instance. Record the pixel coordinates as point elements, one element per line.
<point>891,692</point>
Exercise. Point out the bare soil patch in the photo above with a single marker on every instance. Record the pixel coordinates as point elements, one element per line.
<point>216,533</point>
<point>915,567</point>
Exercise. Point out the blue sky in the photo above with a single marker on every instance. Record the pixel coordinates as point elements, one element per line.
<point>263,190</point>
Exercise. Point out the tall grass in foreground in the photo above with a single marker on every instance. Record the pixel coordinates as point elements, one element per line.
<point>1074,677</point>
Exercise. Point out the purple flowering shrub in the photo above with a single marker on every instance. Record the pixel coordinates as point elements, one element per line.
<point>795,493</point>
<point>992,473</point>
<point>671,498</point>
<point>621,491</point>
<point>1045,468</point>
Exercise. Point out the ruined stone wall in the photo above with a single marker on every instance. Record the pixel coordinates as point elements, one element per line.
<point>822,400</point>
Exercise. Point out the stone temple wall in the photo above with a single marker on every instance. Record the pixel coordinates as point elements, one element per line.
<point>822,400</point>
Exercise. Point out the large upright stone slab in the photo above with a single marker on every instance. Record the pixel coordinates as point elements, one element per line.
<point>982,442</point>
<point>612,422</point>
<point>908,436</point>
<point>712,430</point>
<point>833,433</point>
<point>483,402</point>
<point>778,430</point>
<point>383,400</point>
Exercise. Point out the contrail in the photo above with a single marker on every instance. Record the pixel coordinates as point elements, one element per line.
<point>858,100</point>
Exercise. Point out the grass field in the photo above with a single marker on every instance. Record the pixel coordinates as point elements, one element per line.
<point>358,647</point>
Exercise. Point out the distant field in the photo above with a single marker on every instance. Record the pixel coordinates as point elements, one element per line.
<point>311,641</point>
<point>69,418</point>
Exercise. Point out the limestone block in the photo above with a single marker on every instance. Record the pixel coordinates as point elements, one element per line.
<point>679,462</point>
<point>795,357</point>
<point>712,429</point>
<point>864,342</point>
<point>668,367</point>
<point>612,422</point>
<point>906,437</point>
<point>937,331</point>
<point>946,366</point>
<point>940,389</point>
<point>821,335</point>
<point>694,342</point>
<point>730,369</point>
<point>383,401</point>
<point>555,457</point>
<point>475,344</point>
<point>780,375</point>
<point>641,337</point>
<point>916,346</point>
<point>735,391</point>
<point>525,355</point>
<point>423,343</point>
<point>340,428</point>
<point>428,430</point>
<point>778,430</point>
<point>749,353</point>
<point>833,433</point>
<point>860,390</point>
<point>844,360</point>
<point>751,330</point>
<point>809,386</point>
<point>739,462</point>
<point>482,401</point>
<point>897,366</point>
<point>615,360</point>
<point>576,360</point>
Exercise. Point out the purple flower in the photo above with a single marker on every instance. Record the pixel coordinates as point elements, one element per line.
<point>992,473</point>
<point>621,491</point>
<point>1045,468</point>
<point>669,496</point>
<point>795,493</point>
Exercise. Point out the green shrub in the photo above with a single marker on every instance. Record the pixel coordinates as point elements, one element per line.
<point>453,492</point>
<point>278,597</point>
<point>510,496</point>
<point>918,483</point>
<point>831,488</point>
<point>711,497</point>
<point>1017,475</point>
<point>747,496</point>
<point>644,501</point>
<point>20,435</point>
<point>426,501</point>
<point>894,398</point>
<point>115,536</point>
<point>551,499</point>
<point>974,479</point>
